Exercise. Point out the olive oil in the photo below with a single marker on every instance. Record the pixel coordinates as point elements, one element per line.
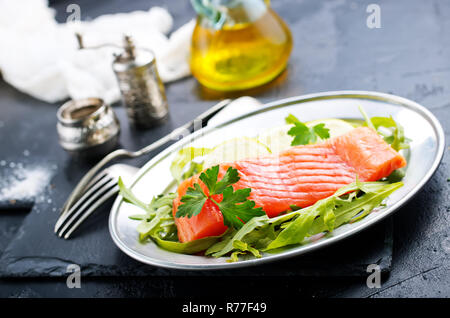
<point>242,55</point>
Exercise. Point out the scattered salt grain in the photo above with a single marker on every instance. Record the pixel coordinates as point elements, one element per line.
<point>26,153</point>
<point>3,163</point>
<point>24,183</point>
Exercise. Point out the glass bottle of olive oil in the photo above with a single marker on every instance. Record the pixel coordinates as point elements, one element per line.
<point>238,44</point>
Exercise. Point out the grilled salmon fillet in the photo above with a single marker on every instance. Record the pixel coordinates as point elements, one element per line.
<point>300,176</point>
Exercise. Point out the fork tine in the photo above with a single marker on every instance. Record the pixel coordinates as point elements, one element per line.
<point>105,197</point>
<point>82,200</point>
<point>63,217</point>
<point>89,200</point>
<point>97,178</point>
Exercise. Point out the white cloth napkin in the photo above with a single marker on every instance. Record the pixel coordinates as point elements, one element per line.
<point>41,57</point>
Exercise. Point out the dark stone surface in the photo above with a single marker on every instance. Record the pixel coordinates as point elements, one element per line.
<point>333,50</point>
<point>93,250</point>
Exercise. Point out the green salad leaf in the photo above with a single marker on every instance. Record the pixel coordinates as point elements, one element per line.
<point>250,232</point>
<point>349,208</point>
<point>303,134</point>
<point>226,246</point>
<point>158,223</point>
<point>348,204</point>
<point>191,247</point>
<point>391,131</point>
<point>158,213</point>
<point>242,248</point>
<point>129,197</point>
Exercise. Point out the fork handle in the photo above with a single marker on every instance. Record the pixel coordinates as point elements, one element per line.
<point>202,118</point>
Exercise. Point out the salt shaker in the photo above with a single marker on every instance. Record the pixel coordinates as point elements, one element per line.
<point>141,87</point>
<point>87,127</point>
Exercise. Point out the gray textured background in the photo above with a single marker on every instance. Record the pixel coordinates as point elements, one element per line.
<point>333,50</point>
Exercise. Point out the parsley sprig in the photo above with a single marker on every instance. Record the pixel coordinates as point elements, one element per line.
<point>303,134</point>
<point>235,207</point>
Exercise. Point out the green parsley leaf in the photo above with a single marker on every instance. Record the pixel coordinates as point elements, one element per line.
<point>236,209</point>
<point>291,119</point>
<point>209,178</point>
<point>303,134</point>
<point>230,177</point>
<point>321,131</point>
<point>193,202</point>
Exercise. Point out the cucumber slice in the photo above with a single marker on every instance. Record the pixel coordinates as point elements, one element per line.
<point>337,127</point>
<point>235,149</point>
<point>277,138</point>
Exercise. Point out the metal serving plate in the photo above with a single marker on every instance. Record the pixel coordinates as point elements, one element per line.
<point>427,148</point>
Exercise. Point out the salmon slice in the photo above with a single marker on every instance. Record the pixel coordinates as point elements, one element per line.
<point>300,176</point>
<point>209,222</point>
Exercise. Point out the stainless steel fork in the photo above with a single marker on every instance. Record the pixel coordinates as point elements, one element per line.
<point>91,178</point>
<point>100,189</point>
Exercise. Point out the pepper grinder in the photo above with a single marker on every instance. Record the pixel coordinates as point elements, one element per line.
<point>141,87</point>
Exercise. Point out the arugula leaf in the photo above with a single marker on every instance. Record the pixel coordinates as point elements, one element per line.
<point>158,216</point>
<point>391,131</point>
<point>366,118</point>
<point>146,227</point>
<point>191,247</point>
<point>226,245</point>
<point>235,207</point>
<point>348,204</point>
<point>193,202</point>
<point>303,134</point>
<point>129,197</point>
<point>242,248</point>
<point>138,217</point>
<point>159,225</point>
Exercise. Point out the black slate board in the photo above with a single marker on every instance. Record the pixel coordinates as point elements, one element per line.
<point>393,63</point>
<point>37,252</point>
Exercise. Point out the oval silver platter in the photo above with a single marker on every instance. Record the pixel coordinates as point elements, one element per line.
<point>424,156</point>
